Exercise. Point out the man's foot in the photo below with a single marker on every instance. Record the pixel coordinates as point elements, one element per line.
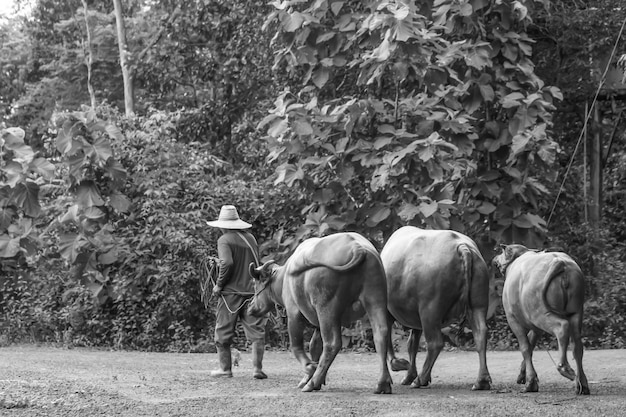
<point>259,374</point>
<point>218,373</point>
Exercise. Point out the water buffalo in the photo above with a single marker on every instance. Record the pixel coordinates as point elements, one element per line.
<point>543,291</point>
<point>435,277</point>
<point>329,282</point>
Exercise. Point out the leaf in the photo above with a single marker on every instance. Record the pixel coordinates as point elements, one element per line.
<point>487,92</point>
<point>14,174</point>
<point>278,128</point>
<point>6,217</point>
<point>115,170</point>
<point>519,11</point>
<point>13,137</point>
<point>70,216</point>
<point>428,208</point>
<point>64,139</point>
<point>26,196</point>
<point>70,245</point>
<point>547,153</point>
<point>102,149</point>
<point>523,221</point>
<point>387,129</point>
<point>404,31</point>
<point>400,70</point>
<point>519,143</point>
<point>267,119</point>
<point>302,127</point>
<point>336,6</point>
<point>479,4</point>
<point>109,257</point>
<point>408,212</point>
<point>87,195</point>
<point>292,22</point>
<point>119,202</point>
<point>377,215</point>
<point>9,247</point>
<point>93,213</point>
<point>320,76</point>
<point>44,167</point>
<point>382,141</point>
<point>289,174</point>
<point>23,154</point>
<point>114,132</point>
<point>380,178</point>
<point>512,100</point>
<point>382,52</point>
<point>486,208</point>
<point>466,9</point>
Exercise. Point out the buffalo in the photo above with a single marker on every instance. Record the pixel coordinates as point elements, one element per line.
<point>544,292</point>
<point>434,278</point>
<point>328,282</point>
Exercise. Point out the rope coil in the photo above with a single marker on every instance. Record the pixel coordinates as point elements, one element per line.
<point>209,273</point>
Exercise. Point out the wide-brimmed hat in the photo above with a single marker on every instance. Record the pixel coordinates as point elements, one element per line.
<point>229,219</point>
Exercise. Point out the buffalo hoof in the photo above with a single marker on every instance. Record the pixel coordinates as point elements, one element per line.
<point>400,365</point>
<point>418,383</point>
<point>310,387</point>
<point>383,388</point>
<point>482,385</point>
<point>521,379</point>
<point>532,386</point>
<point>582,389</point>
<point>408,379</point>
<point>566,371</point>
<point>304,381</point>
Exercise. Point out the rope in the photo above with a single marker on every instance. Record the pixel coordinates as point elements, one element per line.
<point>595,99</point>
<point>209,271</point>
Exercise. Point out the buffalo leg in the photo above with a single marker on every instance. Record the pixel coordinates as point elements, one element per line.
<point>479,330</point>
<point>377,313</point>
<point>413,344</point>
<point>295,324</point>
<point>532,383</point>
<point>434,344</point>
<point>532,340</point>
<point>562,332</point>
<point>397,364</point>
<point>316,346</point>
<point>331,339</point>
<point>582,386</point>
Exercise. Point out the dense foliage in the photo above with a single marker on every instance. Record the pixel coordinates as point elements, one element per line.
<point>311,116</point>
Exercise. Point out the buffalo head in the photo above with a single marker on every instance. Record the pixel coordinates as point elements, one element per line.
<point>507,256</point>
<point>264,299</point>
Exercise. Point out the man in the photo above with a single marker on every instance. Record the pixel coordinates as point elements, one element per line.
<point>236,249</point>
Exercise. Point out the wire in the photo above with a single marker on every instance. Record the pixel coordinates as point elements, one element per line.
<point>595,99</point>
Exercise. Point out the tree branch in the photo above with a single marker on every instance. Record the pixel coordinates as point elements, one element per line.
<point>156,38</point>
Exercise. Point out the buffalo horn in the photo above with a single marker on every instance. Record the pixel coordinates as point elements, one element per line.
<point>253,271</point>
<point>263,268</point>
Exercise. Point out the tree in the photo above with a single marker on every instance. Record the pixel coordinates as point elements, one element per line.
<point>89,56</point>
<point>425,113</point>
<point>129,93</point>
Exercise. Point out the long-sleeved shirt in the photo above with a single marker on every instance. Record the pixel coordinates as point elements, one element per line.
<point>235,257</point>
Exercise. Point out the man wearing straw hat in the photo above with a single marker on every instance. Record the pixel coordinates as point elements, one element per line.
<point>236,249</point>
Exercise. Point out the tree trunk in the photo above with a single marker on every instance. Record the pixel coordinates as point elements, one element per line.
<point>89,57</point>
<point>129,93</point>
<point>595,181</point>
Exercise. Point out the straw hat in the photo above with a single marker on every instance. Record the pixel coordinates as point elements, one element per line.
<point>229,219</point>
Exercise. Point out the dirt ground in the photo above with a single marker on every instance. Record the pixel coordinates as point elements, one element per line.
<point>45,381</point>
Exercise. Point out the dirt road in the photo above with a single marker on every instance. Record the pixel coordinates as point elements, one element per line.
<point>43,381</point>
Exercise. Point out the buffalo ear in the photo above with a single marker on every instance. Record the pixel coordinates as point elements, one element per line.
<point>253,271</point>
